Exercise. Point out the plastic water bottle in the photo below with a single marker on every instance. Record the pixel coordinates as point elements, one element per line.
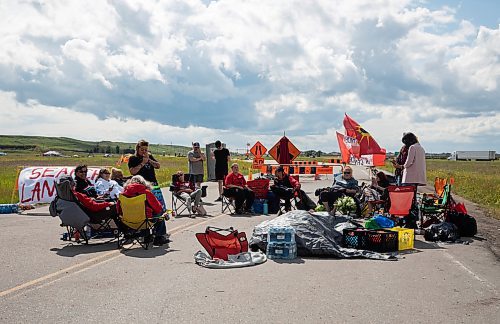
<point>265,209</point>
<point>88,232</point>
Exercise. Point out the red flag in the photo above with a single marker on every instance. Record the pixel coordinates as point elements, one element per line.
<point>367,144</point>
<point>343,148</point>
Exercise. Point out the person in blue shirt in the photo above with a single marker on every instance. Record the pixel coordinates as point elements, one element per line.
<point>343,184</point>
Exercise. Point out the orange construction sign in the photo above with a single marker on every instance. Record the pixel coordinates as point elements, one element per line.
<point>258,149</point>
<point>275,151</point>
<point>258,162</point>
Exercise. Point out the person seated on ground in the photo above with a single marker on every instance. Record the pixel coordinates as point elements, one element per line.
<point>83,185</point>
<point>287,187</point>
<point>188,192</point>
<point>343,184</point>
<point>107,188</point>
<point>377,190</point>
<point>236,187</point>
<point>137,186</point>
<point>117,175</point>
<point>97,211</point>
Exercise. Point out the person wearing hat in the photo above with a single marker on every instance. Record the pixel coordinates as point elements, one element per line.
<point>287,187</point>
<point>195,160</point>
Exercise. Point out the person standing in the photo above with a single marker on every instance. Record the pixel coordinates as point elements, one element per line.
<point>414,168</point>
<point>143,163</point>
<point>222,157</point>
<point>195,160</point>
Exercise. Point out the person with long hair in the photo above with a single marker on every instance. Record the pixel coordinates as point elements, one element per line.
<point>143,163</point>
<point>414,168</point>
<point>106,187</point>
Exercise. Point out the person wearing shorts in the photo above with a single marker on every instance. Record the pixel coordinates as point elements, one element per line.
<point>195,160</point>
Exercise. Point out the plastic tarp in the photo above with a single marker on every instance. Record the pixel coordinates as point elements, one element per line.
<point>240,260</point>
<point>316,234</point>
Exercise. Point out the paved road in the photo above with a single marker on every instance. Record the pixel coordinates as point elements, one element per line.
<point>45,280</point>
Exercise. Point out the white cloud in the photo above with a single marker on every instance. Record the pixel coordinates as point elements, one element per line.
<point>251,67</point>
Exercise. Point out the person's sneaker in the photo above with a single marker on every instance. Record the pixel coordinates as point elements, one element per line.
<point>218,199</point>
<point>160,240</point>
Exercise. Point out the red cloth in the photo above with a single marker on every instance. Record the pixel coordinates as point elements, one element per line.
<point>153,206</point>
<point>235,180</point>
<point>89,203</point>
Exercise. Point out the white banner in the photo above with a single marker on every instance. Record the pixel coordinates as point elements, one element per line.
<point>366,160</point>
<point>37,184</point>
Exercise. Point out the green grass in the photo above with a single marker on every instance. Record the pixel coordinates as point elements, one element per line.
<point>477,181</point>
<point>11,163</point>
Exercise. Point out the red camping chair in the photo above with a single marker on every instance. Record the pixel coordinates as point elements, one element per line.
<point>219,246</point>
<point>401,199</point>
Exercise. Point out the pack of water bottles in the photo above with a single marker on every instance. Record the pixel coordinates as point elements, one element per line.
<point>9,208</point>
<point>281,243</point>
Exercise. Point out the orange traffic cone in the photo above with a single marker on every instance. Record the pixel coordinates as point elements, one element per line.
<point>250,175</point>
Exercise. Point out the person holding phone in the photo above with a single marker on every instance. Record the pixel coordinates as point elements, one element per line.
<point>143,163</point>
<point>107,188</point>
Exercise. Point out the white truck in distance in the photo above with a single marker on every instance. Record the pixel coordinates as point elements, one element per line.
<point>472,156</point>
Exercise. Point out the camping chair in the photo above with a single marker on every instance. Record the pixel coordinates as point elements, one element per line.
<point>75,218</point>
<point>228,204</point>
<point>402,199</point>
<point>219,246</point>
<point>179,204</point>
<point>140,228</point>
<point>435,210</point>
<point>293,200</point>
<point>439,184</point>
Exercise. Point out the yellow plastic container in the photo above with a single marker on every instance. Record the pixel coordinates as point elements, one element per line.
<point>406,237</point>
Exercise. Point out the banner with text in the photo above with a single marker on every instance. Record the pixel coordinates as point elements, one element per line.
<point>37,184</point>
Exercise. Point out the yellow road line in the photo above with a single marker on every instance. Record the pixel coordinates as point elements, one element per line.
<point>89,263</point>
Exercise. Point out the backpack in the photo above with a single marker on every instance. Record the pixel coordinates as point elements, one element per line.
<point>467,225</point>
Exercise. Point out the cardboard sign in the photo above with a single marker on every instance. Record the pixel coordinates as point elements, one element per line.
<point>38,184</point>
<point>258,149</point>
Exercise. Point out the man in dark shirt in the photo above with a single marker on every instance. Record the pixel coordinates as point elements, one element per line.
<point>222,157</point>
<point>143,163</point>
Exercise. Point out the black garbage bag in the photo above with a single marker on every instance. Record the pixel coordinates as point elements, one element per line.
<point>467,225</point>
<point>444,232</point>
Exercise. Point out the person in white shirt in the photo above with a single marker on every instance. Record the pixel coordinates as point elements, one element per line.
<point>107,188</point>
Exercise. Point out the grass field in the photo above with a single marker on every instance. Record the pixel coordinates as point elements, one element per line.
<point>478,181</point>
<point>10,164</point>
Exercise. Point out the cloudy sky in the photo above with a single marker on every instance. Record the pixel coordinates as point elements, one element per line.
<point>246,70</point>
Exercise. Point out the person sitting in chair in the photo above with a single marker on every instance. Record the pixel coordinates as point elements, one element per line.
<point>83,185</point>
<point>343,184</point>
<point>236,187</point>
<point>377,190</point>
<point>287,187</point>
<point>97,211</point>
<point>137,186</point>
<point>188,193</point>
<point>107,188</point>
